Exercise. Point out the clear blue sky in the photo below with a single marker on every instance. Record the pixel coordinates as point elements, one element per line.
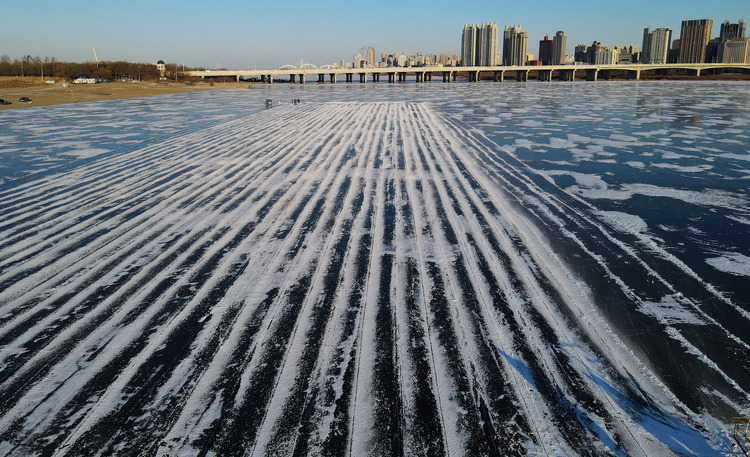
<point>271,33</point>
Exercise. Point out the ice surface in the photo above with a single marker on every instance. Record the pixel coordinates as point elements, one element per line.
<point>378,269</point>
<point>734,263</point>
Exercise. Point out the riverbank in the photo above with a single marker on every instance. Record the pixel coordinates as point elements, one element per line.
<point>44,94</point>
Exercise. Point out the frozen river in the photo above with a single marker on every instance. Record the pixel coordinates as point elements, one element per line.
<point>413,269</point>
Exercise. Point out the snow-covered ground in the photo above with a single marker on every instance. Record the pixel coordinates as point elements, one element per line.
<point>417,269</point>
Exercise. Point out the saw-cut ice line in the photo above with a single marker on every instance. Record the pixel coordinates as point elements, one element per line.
<point>346,278</point>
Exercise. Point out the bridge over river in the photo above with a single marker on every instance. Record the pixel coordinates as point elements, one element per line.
<point>475,74</point>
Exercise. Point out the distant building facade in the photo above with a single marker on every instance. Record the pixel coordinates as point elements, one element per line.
<point>734,51</point>
<point>515,44</point>
<point>674,52</point>
<point>558,48</point>
<point>479,45</point>
<point>627,54</point>
<point>591,52</point>
<point>694,37</point>
<point>545,51</point>
<point>605,56</point>
<point>712,50</point>
<point>732,31</point>
<point>655,49</point>
<point>581,54</point>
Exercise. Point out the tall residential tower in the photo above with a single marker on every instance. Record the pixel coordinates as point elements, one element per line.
<point>558,48</point>
<point>732,31</point>
<point>694,37</point>
<point>515,43</point>
<point>545,51</point>
<point>479,45</point>
<point>656,45</point>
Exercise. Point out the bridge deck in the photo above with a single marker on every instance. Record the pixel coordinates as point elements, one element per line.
<point>425,73</point>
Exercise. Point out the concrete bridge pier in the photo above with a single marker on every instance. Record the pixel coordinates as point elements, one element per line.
<point>591,75</point>
<point>238,78</point>
<point>498,76</point>
<point>429,76</point>
<point>634,74</point>
<point>567,75</point>
<point>544,75</point>
<point>391,78</point>
<point>292,78</point>
<point>446,76</point>
<point>332,78</point>
<point>363,78</point>
<point>321,78</point>
<point>401,77</point>
<point>522,75</point>
<point>694,72</point>
<point>349,77</point>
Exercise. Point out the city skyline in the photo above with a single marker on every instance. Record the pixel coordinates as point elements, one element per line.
<point>261,36</point>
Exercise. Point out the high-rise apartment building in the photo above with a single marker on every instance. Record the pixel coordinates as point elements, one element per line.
<point>712,50</point>
<point>595,47</point>
<point>558,48</point>
<point>674,52</point>
<point>656,45</point>
<point>731,31</point>
<point>515,43</point>
<point>604,56</point>
<point>694,37</point>
<point>736,50</point>
<point>545,51</point>
<point>626,54</point>
<point>469,45</point>
<point>581,53</point>
<point>370,57</point>
<point>479,45</point>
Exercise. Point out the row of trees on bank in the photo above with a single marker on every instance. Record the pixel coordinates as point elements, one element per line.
<point>50,67</point>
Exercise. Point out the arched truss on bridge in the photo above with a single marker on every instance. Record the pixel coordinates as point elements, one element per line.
<point>287,67</point>
<point>308,65</point>
<point>327,66</point>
